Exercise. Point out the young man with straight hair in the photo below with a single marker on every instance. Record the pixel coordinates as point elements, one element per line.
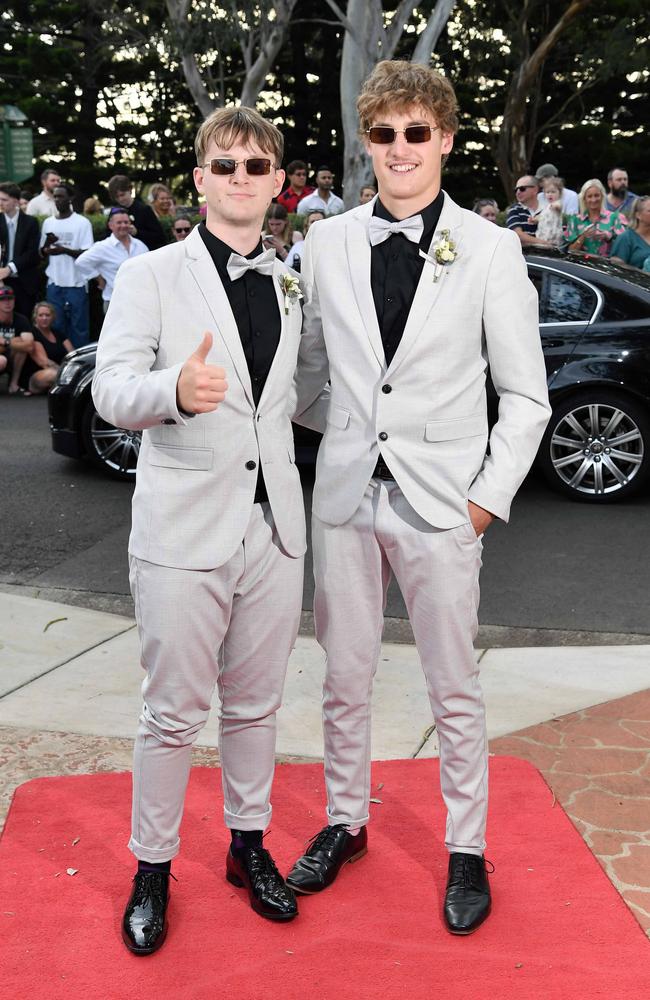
<point>44,203</point>
<point>408,298</point>
<point>198,350</point>
<point>298,187</point>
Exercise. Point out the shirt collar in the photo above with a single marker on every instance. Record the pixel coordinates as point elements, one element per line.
<point>220,251</point>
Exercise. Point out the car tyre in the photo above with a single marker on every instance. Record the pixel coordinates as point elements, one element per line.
<point>596,447</point>
<point>112,449</point>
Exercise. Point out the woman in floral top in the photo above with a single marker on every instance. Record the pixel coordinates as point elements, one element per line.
<point>594,228</point>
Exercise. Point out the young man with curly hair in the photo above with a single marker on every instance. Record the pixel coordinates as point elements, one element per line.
<point>408,298</point>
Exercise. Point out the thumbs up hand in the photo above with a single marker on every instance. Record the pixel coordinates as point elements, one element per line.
<point>201,387</point>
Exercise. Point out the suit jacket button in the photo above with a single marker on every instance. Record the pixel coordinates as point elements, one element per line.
<point>168,420</point>
<point>251,465</point>
<point>383,436</point>
<point>386,388</point>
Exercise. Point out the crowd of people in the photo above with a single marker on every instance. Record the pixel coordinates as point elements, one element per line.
<point>44,315</point>
<point>609,222</point>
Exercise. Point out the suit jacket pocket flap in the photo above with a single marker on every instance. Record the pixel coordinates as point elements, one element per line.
<point>175,457</point>
<point>461,427</point>
<point>338,417</point>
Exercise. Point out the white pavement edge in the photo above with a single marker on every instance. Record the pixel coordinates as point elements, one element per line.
<point>81,674</point>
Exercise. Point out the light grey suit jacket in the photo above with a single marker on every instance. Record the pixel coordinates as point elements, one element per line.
<point>482,308</point>
<point>194,493</point>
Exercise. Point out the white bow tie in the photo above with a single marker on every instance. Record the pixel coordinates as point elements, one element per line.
<point>238,265</point>
<point>380,229</point>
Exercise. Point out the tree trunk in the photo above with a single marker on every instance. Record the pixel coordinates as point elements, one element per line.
<point>360,46</point>
<point>366,43</point>
<point>513,150</point>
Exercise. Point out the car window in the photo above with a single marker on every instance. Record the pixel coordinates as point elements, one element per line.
<point>619,306</point>
<point>567,301</point>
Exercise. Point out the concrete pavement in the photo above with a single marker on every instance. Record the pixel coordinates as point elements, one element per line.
<point>69,700</point>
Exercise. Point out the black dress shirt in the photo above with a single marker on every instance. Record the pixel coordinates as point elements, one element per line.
<point>395,270</point>
<point>254,304</point>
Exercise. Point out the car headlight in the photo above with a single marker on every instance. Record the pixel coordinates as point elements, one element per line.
<point>68,372</point>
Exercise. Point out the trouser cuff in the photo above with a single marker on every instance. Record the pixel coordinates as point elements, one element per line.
<point>154,854</point>
<point>257,822</point>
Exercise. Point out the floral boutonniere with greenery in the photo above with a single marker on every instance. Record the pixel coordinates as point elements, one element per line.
<point>444,253</point>
<point>290,289</point>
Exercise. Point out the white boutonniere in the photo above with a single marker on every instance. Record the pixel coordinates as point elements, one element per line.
<point>290,289</point>
<point>444,253</point>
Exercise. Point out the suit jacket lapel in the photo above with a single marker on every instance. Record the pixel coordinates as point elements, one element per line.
<point>428,290</point>
<point>287,320</point>
<point>357,246</point>
<point>202,269</point>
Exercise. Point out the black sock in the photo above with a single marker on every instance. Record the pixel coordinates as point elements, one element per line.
<point>155,866</point>
<point>244,839</point>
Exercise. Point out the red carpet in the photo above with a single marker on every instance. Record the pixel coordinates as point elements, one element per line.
<point>558,930</point>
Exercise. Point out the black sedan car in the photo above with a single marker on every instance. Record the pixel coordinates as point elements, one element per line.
<point>594,321</point>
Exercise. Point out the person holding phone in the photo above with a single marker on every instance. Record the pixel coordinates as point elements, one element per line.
<point>279,231</point>
<point>595,227</point>
<point>63,240</point>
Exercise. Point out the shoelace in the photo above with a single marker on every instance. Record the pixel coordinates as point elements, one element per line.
<point>468,869</point>
<point>261,865</point>
<point>151,888</point>
<point>324,839</point>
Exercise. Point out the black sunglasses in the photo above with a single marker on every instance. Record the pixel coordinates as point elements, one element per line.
<point>182,229</point>
<point>383,135</point>
<point>524,187</point>
<point>256,166</point>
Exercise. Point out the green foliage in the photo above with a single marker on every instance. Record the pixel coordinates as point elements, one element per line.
<point>102,84</point>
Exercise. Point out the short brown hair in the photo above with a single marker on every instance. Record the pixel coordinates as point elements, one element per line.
<point>398,84</point>
<point>225,125</point>
<point>117,184</point>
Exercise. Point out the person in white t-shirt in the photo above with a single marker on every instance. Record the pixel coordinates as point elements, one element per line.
<point>43,203</point>
<point>63,239</point>
<point>105,257</point>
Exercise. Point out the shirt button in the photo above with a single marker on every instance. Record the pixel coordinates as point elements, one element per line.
<point>394,256</point>
<point>252,293</point>
<point>386,388</point>
<point>251,465</point>
<point>257,333</point>
<point>383,436</point>
<point>389,298</point>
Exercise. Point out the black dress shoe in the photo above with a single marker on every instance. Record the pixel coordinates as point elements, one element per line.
<point>254,869</point>
<point>467,900</point>
<point>328,851</point>
<point>144,926</point>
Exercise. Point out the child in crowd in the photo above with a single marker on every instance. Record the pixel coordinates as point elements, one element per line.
<point>549,225</point>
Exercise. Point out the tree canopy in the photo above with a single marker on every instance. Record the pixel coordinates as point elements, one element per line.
<point>113,86</point>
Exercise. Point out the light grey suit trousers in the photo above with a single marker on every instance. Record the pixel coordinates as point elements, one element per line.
<point>437,570</point>
<point>233,627</point>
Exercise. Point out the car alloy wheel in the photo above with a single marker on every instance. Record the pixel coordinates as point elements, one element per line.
<point>597,447</point>
<point>112,449</point>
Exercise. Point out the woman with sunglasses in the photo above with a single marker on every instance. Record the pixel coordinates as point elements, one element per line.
<point>181,228</point>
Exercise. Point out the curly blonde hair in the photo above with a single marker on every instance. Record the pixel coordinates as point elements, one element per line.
<point>397,84</point>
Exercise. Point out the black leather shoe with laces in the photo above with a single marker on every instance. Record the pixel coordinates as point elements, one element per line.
<point>328,851</point>
<point>144,926</point>
<point>254,869</point>
<point>467,900</point>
